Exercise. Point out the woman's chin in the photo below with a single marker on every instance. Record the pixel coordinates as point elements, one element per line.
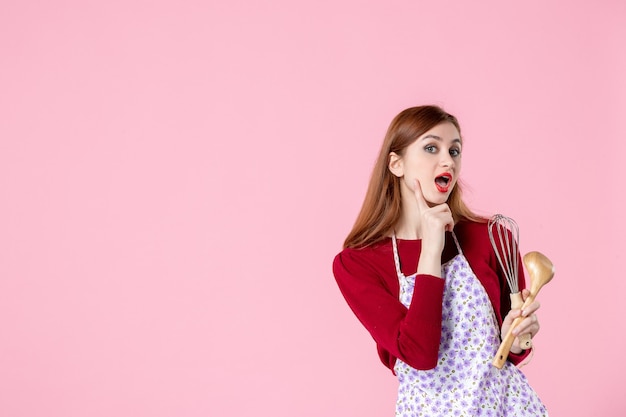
<point>437,201</point>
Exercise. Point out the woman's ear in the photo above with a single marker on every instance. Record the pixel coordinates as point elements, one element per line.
<point>395,164</point>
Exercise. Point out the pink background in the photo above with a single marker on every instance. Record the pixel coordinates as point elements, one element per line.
<point>176,178</point>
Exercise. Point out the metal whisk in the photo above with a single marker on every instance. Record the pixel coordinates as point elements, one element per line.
<point>507,252</point>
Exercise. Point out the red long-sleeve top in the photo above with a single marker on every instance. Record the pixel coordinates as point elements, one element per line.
<point>368,281</point>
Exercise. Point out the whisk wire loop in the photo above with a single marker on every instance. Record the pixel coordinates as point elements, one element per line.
<point>506,248</point>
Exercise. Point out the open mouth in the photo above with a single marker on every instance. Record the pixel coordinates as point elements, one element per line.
<point>443,182</point>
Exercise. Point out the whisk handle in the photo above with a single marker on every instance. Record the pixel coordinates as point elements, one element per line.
<point>525,341</point>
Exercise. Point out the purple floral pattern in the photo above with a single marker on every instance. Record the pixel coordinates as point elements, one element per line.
<point>464,382</point>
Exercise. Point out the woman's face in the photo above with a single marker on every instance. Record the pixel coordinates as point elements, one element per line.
<point>434,159</point>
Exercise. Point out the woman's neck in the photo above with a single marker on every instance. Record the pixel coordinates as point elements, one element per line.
<point>409,225</point>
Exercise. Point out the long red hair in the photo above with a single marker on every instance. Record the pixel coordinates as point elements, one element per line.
<point>382,207</point>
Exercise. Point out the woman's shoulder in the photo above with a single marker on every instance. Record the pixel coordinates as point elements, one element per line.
<point>352,260</point>
<point>372,252</point>
<point>471,227</point>
<point>474,233</point>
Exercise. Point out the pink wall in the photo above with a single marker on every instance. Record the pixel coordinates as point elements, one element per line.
<point>177,176</point>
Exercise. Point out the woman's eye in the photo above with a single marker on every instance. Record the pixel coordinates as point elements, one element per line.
<point>455,152</point>
<point>430,148</point>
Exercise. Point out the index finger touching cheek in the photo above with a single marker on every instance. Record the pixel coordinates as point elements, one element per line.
<point>419,197</point>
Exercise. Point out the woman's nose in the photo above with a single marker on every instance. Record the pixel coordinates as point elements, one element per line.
<point>446,160</point>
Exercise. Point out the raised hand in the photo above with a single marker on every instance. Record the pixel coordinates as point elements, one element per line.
<point>434,222</point>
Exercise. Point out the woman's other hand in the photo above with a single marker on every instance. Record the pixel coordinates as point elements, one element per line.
<point>529,324</point>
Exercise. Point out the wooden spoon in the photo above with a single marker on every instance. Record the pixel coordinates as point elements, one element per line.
<point>541,272</point>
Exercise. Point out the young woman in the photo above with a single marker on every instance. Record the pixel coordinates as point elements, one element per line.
<point>419,272</point>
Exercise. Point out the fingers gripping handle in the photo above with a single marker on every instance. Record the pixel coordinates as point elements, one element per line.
<point>505,347</point>
<point>517,303</point>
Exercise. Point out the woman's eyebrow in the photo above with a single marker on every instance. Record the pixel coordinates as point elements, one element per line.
<point>439,138</point>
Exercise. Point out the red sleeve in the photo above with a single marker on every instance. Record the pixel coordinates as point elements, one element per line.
<point>412,335</point>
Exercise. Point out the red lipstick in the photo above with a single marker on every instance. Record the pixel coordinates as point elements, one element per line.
<point>443,182</point>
